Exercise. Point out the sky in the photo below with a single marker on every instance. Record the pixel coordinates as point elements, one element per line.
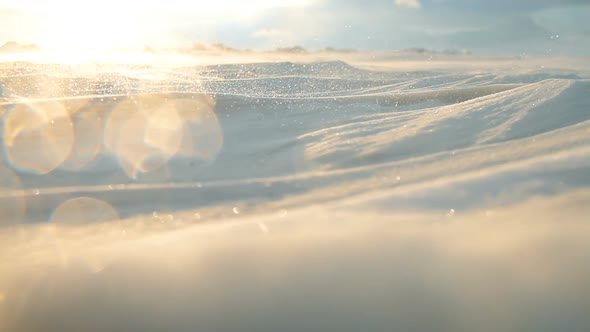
<point>552,27</point>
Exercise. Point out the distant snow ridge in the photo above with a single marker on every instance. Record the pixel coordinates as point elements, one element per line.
<point>14,47</point>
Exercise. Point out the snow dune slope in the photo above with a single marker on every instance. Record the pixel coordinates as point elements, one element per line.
<point>294,196</point>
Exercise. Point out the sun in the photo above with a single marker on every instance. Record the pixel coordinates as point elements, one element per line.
<point>117,24</point>
<point>73,30</point>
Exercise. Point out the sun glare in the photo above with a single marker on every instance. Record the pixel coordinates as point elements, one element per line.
<point>109,24</point>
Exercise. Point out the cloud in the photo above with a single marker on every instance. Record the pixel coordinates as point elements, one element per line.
<point>409,3</point>
<point>507,5</point>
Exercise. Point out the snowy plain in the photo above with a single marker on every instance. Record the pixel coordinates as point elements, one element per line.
<point>330,191</point>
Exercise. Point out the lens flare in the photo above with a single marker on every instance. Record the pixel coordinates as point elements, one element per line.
<point>83,210</point>
<point>146,136</point>
<point>145,132</point>
<point>38,137</point>
<point>120,113</point>
<point>203,137</point>
<point>88,133</point>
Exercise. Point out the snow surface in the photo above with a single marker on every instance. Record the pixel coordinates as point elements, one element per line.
<point>342,192</point>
